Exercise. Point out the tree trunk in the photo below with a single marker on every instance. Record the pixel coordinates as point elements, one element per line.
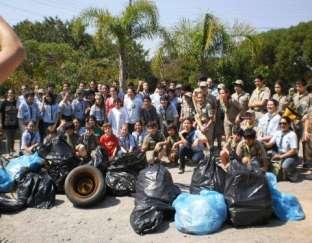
<point>122,69</point>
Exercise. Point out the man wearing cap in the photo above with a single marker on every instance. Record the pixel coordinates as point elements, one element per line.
<point>79,106</point>
<point>187,106</point>
<point>259,97</point>
<point>240,95</point>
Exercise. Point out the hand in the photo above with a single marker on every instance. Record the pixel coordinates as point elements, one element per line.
<point>306,137</point>
<point>237,120</point>
<point>276,157</point>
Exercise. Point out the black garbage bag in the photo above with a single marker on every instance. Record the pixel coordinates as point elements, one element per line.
<point>248,197</point>
<point>36,190</point>
<point>99,159</point>
<point>120,183</point>
<point>122,172</point>
<point>154,195</point>
<point>61,160</point>
<point>207,175</point>
<point>129,162</point>
<point>10,205</point>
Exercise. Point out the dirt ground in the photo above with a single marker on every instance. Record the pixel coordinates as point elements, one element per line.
<point>109,222</point>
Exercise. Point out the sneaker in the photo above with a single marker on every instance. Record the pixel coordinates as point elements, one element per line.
<point>294,177</point>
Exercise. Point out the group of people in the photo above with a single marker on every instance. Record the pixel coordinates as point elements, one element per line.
<point>176,122</point>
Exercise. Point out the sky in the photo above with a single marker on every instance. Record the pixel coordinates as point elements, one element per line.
<point>262,15</point>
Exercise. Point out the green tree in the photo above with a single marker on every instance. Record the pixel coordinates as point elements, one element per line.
<point>138,20</point>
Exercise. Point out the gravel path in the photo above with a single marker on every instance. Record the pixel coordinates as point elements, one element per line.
<point>109,222</point>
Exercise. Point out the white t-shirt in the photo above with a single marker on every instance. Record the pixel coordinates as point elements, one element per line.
<point>133,108</point>
<point>285,141</point>
<point>117,117</point>
<point>268,124</point>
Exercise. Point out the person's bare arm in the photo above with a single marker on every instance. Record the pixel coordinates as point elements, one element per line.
<point>12,52</point>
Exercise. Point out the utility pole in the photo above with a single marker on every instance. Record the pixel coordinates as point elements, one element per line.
<point>130,2</point>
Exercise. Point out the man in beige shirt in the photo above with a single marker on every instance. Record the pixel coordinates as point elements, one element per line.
<point>240,95</point>
<point>259,97</point>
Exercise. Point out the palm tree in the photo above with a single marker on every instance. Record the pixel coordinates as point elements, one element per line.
<point>138,20</point>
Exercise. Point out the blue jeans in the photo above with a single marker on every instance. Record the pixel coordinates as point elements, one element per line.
<point>194,155</point>
<point>289,165</point>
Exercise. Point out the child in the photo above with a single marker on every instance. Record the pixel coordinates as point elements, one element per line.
<point>139,135</point>
<point>82,154</point>
<point>51,133</point>
<point>154,139</point>
<point>126,140</point>
<point>30,139</point>
<point>230,146</point>
<point>109,142</point>
<point>171,144</point>
<point>89,139</point>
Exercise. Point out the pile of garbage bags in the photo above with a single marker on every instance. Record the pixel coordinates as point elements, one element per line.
<point>155,193</point>
<point>12,171</point>
<point>60,160</point>
<point>121,173</point>
<point>33,191</point>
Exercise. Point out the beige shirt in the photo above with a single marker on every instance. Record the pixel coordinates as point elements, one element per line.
<point>256,150</point>
<point>282,101</point>
<point>302,102</point>
<point>261,94</point>
<point>242,98</point>
<point>231,111</point>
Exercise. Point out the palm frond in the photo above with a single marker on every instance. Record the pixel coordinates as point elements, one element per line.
<point>141,19</point>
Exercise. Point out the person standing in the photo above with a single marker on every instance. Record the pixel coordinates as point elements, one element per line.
<point>232,111</point>
<point>79,106</point>
<point>307,140</point>
<point>49,112</point>
<point>132,105</point>
<point>8,120</point>
<point>28,111</point>
<point>240,95</point>
<point>279,96</point>
<point>259,97</point>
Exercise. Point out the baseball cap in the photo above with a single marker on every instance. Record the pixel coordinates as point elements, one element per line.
<point>239,82</point>
<point>203,84</point>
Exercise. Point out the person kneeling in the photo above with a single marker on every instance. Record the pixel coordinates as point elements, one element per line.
<point>287,149</point>
<point>30,139</point>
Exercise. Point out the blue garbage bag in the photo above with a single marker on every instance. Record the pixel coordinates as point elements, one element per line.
<point>13,169</point>
<point>200,214</point>
<point>285,206</point>
<point>5,181</point>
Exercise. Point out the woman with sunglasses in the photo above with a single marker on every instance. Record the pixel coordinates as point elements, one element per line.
<point>286,142</point>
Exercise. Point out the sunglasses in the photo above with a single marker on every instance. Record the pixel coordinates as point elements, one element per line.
<point>283,123</point>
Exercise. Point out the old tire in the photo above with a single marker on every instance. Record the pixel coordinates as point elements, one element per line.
<point>84,186</point>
